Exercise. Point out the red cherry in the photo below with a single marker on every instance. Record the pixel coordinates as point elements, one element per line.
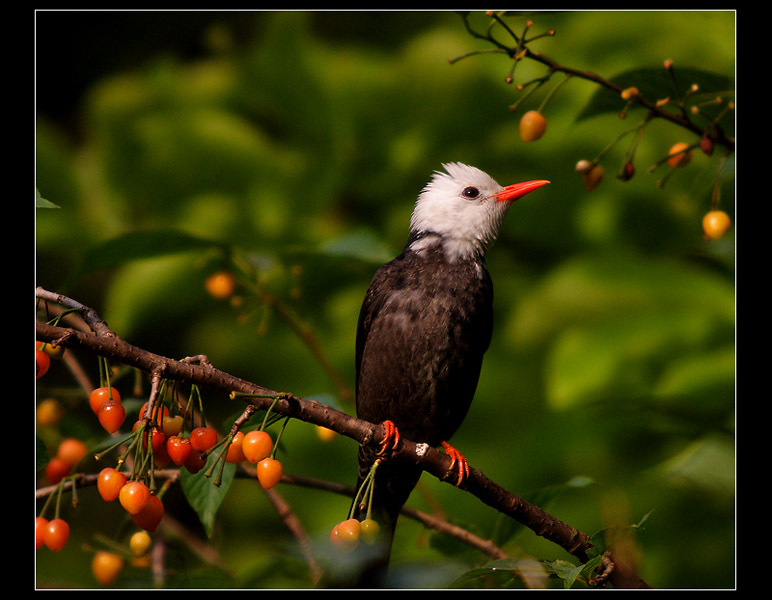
<point>56,534</point>
<point>41,524</point>
<point>106,566</point>
<point>111,415</point>
<point>71,451</point>
<point>109,483</point>
<point>56,470</point>
<point>156,438</point>
<point>42,362</point>
<point>196,461</point>
<point>133,496</point>
<point>159,413</point>
<point>101,395</point>
<point>161,457</point>
<point>203,438</point>
<point>257,445</point>
<point>269,472</point>
<point>150,516</point>
<point>235,452</point>
<point>178,449</point>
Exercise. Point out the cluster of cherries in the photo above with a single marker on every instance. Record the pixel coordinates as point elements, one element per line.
<point>161,437</point>
<point>44,352</point>
<point>346,535</point>
<point>715,223</point>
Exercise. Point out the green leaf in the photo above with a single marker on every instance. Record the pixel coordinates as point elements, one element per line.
<point>516,568</point>
<point>138,245</point>
<point>141,244</point>
<point>361,245</point>
<point>655,84</point>
<point>594,289</point>
<point>41,202</point>
<point>565,570</point>
<point>202,495</point>
<point>602,359</point>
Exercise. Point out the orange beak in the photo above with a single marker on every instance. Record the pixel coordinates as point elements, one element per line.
<point>518,190</point>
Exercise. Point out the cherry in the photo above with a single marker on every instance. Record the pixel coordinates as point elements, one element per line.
<point>133,496</point>
<point>591,173</point>
<point>257,445</point>
<point>178,449</point>
<point>203,438</point>
<point>345,535</point>
<point>49,412</point>
<point>106,566</point>
<point>156,439</point>
<point>159,413</point>
<point>55,352</point>
<point>140,543</point>
<point>71,451</point>
<point>101,395</point>
<point>171,425</point>
<point>56,470</point>
<point>150,515</point>
<point>715,224</point>
<point>679,155</point>
<point>235,452</point>
<point>220,285</point>
<point>532,126</point>
<point>706,144</point>
<point>196,461</point>
<point>369,529</point>
<point>56,534</point>
<point>41,524</point>
<point>42,362</point>
<point>109,483</point>
<point>161,457</point>
<point>111,415</point>
<point>269,472</point>
<point>324,433</point>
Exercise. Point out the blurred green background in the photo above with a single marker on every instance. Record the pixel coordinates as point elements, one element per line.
<point>299,141</point>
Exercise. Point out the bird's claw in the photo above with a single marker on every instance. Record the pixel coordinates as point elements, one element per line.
<point>390,437</point>
<point>458,461</point>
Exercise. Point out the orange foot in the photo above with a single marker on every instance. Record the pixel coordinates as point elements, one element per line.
<point>458,461</point>
<point>390,437</point>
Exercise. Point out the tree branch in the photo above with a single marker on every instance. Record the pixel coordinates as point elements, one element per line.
<point>521,50</point>
<point>107,344</point>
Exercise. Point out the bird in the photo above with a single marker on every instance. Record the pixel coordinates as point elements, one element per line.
<point>425,323</point>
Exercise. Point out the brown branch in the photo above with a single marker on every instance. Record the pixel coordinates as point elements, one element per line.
<point>107,344</point>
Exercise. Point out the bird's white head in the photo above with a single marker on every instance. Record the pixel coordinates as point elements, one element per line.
<point>463,208</point>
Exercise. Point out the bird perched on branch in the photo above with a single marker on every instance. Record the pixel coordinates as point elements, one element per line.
<point>424,326</point>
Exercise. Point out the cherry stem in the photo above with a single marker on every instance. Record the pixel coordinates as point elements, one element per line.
<point>278,437</point>
<point>366,489</point>
<point>549,96</point>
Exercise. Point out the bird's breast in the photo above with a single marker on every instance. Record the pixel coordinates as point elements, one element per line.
<point>424,328</point>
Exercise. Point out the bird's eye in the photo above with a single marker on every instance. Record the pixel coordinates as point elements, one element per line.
<point>470,192</point>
